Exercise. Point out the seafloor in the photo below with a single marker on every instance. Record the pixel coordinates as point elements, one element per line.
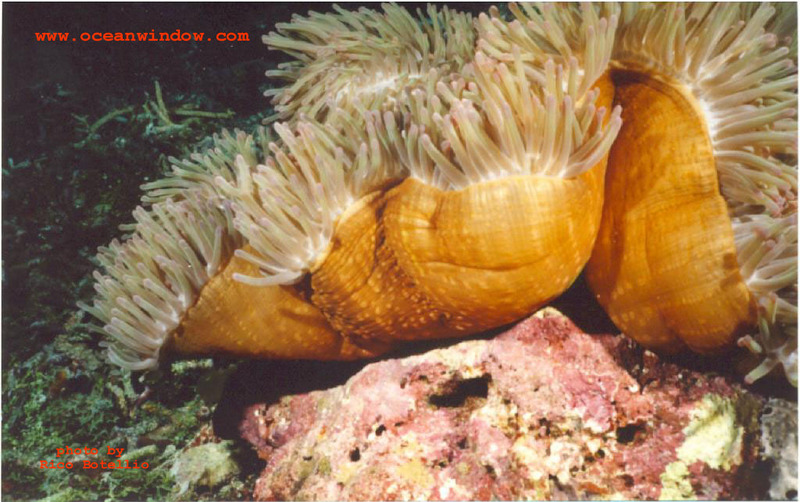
<point>82,129</point>
<point>67,185</point>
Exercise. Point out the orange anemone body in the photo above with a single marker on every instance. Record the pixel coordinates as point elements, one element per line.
<point>274,322</point>
<point>493,252</point>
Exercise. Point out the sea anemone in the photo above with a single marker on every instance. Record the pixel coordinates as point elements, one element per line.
<point>431,178</point>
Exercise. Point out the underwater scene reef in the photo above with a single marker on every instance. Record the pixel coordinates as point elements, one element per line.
<point>446,251</point>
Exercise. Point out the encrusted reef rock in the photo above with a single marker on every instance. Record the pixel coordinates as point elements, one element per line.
<point>779,447</point>
<point>543,411</point>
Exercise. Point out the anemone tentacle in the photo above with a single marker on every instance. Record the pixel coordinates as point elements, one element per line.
<point>571,35</point>
<point>199,170</point>
<point>493,122</point>
<point>767,251</point>
<point>783,24</point>
<point>154,276</point>
<point>364,58</point>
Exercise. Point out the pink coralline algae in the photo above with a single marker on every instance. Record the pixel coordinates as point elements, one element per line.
<point>543,411</point>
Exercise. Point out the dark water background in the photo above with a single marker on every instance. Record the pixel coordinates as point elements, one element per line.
<point>69,200</point>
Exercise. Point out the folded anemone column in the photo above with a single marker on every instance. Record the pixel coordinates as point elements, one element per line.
<point>698,241</point>
<point>698,245</point>
<point>168,285</point>
<point>507,160</point>
<point>311,216</point>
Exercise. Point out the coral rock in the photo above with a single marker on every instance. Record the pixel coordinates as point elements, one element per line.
<point>207,465</point>
<point>543,411</point>
<point>779,440</point>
